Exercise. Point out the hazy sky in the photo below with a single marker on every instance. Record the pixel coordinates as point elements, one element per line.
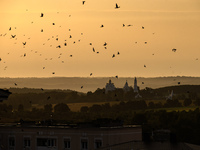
<point>167,24</point>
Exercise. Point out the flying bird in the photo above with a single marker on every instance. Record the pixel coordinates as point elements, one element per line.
<point>113,55</point>
<point>24,43</point>
<point>93,49</point>
<point>142,27</point>
<point>81,87</point>
<point>116,6</point>
<point>116,77</point>
<point>53,24</point>
<point>41,30</point>
<point>9,28</point>
<point>145,66</point>
<point>102,26</point>
<point>65,44</point>
<point>53,72</point>
<point>174,50</point>
<point>58,46</point>
<point>83,2</point>
<point>179,82</point>
<point>118,53</point>
<point>42,15</point>
<point>105,44</point>
<point>123,25</point>
<point>15,84</point>
<point>90,74</point>
<point>13,36</point>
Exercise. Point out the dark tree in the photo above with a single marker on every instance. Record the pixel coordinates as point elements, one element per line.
<point>61,108</point>
<point>187,102</point>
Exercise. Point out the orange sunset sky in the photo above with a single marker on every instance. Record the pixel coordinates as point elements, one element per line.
<point>168,24</point>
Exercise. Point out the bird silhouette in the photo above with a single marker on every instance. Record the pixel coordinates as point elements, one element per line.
<point>129,25</point>
<point>179,82</point>
<point>81,87</point>
<point>53,72</point>
<point>83,2</point>
<point>15,84</point>
<point>116,6</point>
<point>116,77</point>
<point>53,24</point>
<point>102,26</point>
<point>105,44</point>
<point>41,30</point>
<point>58,46</point>
<point>113,55</point>
<point>42,15</point>
<point>13,36</point>
<point>24,54</point>
<point>90,74</point>
<point>118,53</point>
<point>90,43</point>
<point>24,43</point>
<point>70,55</point>
<point>93,49</point>
<point>9,28</point>
<point>145,66</point>
<point>145,42</point>
<point>48,97</point>
<point>65,44</point>
<point>70,36</point>
<point>123,25</point>
<point>142,27</point>
<point>174,50</point>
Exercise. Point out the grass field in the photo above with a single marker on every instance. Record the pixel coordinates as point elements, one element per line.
<point>75,107</point>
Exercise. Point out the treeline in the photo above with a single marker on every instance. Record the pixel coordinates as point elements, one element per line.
<point>43,97</point>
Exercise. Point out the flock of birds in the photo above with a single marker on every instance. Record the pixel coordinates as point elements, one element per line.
<point>24,43</point>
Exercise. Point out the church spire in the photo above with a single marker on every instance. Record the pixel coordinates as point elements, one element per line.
<point>135,85</point>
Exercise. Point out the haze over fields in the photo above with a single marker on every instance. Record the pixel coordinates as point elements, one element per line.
<point>91,84</point>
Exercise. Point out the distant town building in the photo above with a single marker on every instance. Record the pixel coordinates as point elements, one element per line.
<point>62,137</point>
<point>126,88</point>
<point>135,86</point>
<point>170,96</point>
<point>110,86</point>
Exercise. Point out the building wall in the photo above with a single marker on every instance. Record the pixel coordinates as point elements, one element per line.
<point>107,136</point>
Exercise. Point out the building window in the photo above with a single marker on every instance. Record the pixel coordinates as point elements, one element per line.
<point>67,144</point>
<point>27,142</point>
<point>97,143</point>
<point>84,144</point>
<point>46,142</point>
<point>11,143</point>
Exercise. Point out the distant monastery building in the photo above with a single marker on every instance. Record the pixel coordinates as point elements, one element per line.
<point>111,87</point>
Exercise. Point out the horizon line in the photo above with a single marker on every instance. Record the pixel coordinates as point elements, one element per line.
<point>105,77</point>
